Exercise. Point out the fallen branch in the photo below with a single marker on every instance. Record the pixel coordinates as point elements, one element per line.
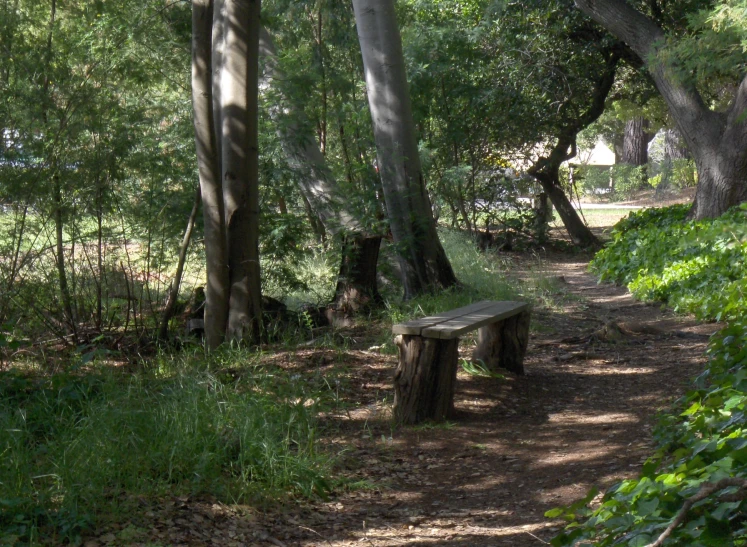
<point>705,491</point>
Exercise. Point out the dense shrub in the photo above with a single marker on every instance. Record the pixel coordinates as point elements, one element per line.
<point>694,266</point>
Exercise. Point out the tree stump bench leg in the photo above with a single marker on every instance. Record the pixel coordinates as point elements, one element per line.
<point>503,344</point>
<point>425,379</point>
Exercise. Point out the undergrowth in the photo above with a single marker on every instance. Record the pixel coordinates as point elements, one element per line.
<point>696,267</point>
<point>692,491</point>
<point>75,447</point>
<point>480,274</point>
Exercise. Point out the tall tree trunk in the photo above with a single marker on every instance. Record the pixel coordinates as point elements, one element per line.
<point>423,262</point>
<point>168,310</point>
<point>635,144</point>
<point>240,166</point>
<point>717,140</point>
<point>217,288</point>
<point>356,283</point>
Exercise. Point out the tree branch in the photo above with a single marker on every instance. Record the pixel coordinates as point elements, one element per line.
<point>705,490</point>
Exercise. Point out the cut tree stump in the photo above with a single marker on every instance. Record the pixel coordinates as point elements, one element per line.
<point>425,379</point>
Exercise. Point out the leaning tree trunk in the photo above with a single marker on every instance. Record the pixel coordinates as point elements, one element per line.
<point>717,140</point>
<point>208,160</point>
<point>579,232</point>
<point>170,307</point>
<point>423,262</point>
<point>546,169</point>
<point>357,279</point>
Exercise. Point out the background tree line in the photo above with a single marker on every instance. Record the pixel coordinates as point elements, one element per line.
<point>99,171</point>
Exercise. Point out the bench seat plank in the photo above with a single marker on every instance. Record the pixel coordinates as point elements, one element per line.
<point>454,328</point>
<point>416,326</point>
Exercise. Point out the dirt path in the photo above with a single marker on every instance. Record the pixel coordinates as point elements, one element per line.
<point>581,416</point>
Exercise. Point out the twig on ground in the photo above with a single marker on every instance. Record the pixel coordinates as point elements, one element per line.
<point>314,532</point>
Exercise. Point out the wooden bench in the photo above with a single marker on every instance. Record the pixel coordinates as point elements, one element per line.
<point>425,378</point>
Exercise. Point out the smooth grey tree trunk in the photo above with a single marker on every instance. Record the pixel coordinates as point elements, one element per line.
<point>357,280</point>
<point>423,263</point>
<point>217,288</point>
<point>717,140</point>
<point>240,166</point>
<point>224,93</point>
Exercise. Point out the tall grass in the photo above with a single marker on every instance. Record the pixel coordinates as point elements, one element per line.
<point>85,445</point>
<point>481,275</point>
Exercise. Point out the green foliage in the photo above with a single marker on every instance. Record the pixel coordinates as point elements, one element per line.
<point>74,447</point>
<point>693,266</point>
<point>626,180</point>
<point>701,443</point>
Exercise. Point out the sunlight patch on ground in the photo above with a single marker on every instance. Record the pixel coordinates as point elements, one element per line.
<point>573,418</point>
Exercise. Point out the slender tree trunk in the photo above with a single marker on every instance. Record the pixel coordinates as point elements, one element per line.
<point>217,287</point>
<point>423,262</point>
<point>168,311</point>
<point>546,169</point>
<point>717,140</point>
<point>240,166</point>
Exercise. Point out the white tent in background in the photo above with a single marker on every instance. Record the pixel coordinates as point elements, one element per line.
<point>601,157</point>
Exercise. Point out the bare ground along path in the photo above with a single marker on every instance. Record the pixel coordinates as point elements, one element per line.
<point>582,416</point>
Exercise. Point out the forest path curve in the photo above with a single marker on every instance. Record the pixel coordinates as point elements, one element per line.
<point>581,416</point>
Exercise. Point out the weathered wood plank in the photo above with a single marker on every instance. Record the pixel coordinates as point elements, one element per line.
<point>416,326</point>
<point>454,328</point>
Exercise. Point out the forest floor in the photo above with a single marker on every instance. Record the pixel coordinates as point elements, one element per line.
<point>582,416</point>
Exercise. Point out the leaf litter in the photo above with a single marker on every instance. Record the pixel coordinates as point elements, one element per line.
<point>518,446</point>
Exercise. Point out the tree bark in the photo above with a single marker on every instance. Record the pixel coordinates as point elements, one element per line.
<point>240,166</point>
<point>423,263</point>
<point>425,379</point>
<point>718,141</point>
<point>503,344</point>
<point>635,143</point>
<point>208,160</point>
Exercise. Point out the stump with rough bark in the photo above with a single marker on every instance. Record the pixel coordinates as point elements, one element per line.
<point>425,378</point>
<point>503,344</point>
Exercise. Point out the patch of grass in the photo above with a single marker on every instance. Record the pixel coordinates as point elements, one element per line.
<point>429,426</point>
<point>75,447</point>
<point>478,368</point>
